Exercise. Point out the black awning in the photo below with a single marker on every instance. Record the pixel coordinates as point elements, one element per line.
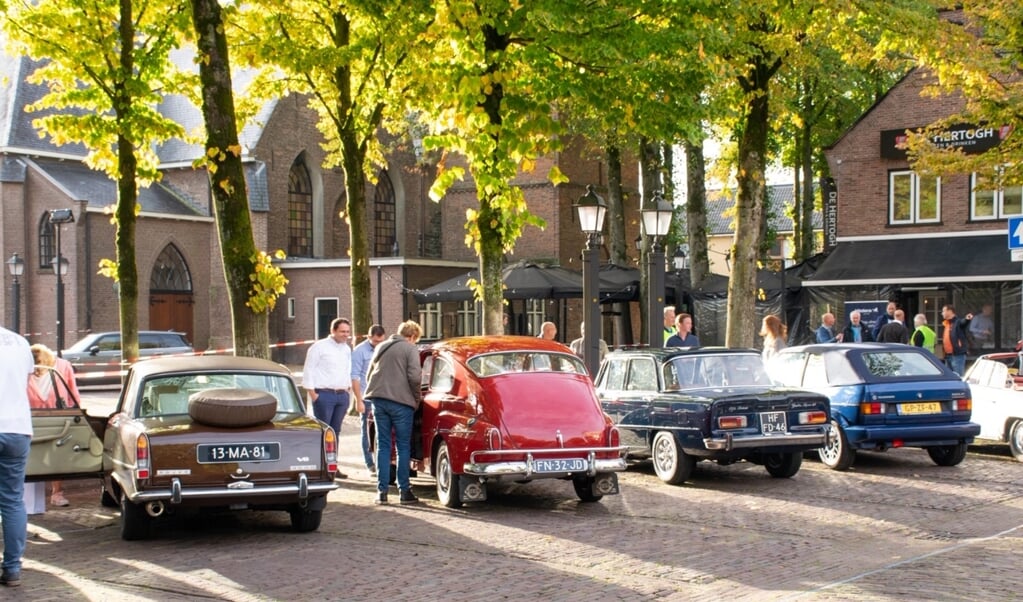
<point>937,260</point>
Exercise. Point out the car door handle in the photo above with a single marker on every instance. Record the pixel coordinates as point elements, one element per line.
<point>61,436</point>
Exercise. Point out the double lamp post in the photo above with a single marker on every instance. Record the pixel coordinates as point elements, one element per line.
<point>591,210</point>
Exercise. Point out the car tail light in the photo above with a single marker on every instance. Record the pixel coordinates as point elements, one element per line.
<point>815,417</point>
<point>330,449</point>
<point>731,422</point>
<point>494,439</point>
<point>872,408</point>
<point>962,405</point>
<point>614,438</point>
<point>142,460</point>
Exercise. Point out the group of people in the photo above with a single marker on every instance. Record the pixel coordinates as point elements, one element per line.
<point>891,328</point>
<point>383,375</point>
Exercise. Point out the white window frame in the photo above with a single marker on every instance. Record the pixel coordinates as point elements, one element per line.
<point>998,201</point>
<point>467,322</point>
<point>534,315</point>
<point>430,318</point>
<point>914,208</point>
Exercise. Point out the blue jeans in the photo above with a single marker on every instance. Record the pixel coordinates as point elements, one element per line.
<point>331,407</point>
<point>13,458</point>
<point>956,363</point>
<point>398,416</point>
<point>366,413</point>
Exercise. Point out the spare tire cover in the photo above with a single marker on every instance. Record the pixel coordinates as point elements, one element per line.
<point>232,407</point>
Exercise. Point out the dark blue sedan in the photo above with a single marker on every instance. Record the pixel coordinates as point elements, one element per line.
<point>883,395</point>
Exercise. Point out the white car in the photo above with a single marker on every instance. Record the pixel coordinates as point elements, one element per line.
<point>997,387</point>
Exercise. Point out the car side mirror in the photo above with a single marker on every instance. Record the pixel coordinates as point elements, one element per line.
<point>94,350</point>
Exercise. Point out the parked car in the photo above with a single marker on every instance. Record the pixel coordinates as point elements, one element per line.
<point>211,433</point>
<point>511,408</point>
<point>997,387</point>
<point>97,356</point>
<point>883,395</point>
<point>678,406</point>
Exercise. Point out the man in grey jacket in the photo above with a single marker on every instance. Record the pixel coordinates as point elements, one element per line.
<point>392,386</point>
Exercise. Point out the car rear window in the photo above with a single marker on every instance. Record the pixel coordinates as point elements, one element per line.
<point>168,395</point>
<point>493,364</point>
<point>897,364</point>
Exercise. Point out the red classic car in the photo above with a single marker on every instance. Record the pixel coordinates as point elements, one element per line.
<point>512,408</point>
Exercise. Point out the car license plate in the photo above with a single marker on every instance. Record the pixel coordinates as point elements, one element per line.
<point>927,407</point>
<point>560,465</point>
<point>214,453</point>
<point>773,422</point>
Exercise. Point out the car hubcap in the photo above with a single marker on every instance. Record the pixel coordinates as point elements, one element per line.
<point>444,475</point>
<point>665,455</point>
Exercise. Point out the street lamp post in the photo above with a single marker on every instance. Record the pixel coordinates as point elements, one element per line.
<point>591,209</point>
<point>656,223</point>
<point>60,266</point>
<point>16,265</point>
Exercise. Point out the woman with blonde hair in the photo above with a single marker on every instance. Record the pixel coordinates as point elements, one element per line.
<point>52,386</point>
<point>775,334</point>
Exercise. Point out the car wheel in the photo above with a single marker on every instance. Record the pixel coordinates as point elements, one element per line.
<point>1016,440</point>
<point>947,455</point>
<point>304,521</point>
<point>584,489</point>
<point>837,455</point>
<point>672,465</point>
<point>783,466</point>
<point>135,523</point>
<point>448,491</point>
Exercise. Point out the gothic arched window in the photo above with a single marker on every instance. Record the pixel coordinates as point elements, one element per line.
<point>170,272</point>
<point>385,234</point>
<point>300,211</point>
<point>47,242</point>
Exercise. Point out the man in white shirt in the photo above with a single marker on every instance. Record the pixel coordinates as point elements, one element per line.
<point>16,364</point>
<point>327,376</point>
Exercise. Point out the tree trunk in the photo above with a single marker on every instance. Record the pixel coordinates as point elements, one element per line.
<point>616,208</point>
<point>809,244</point>
<point>650,162</point>
<point>796,214</point>
<point>127,197</point>
<point>227,179</point>
<point>742,287</point>
<point>696,212</point>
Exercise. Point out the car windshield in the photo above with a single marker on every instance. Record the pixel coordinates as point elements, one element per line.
<point>110,342</point>
<point>493,364</point>
<point>895,364</point>
<point>168,395</point>
<point>694,371</point>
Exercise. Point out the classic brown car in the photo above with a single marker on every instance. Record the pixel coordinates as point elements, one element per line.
<point>195,433</point>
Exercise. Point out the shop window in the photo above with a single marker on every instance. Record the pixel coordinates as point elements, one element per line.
<point>467,319</point>
<point>534,315</point>
<point>997,203</point>
<point>913,198</point>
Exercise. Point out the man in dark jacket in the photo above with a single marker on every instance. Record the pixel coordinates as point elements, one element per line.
<point>895,330</point>
<point>392,386</point>
<point>855,331</point>
<point>954,339</point>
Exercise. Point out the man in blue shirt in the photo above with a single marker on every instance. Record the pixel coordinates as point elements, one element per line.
<point>362,355</point>
<point>826,331</point>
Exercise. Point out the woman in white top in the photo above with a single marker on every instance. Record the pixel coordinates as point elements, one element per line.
<point>775,334</point>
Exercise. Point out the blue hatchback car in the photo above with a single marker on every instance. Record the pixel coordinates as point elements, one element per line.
<point>883,395</point>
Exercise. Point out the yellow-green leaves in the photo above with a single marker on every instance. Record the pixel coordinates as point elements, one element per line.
<point>268,282</point>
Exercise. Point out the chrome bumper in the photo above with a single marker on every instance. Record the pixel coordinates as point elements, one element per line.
<point>301,489</point>
<point>525,467</point>
<point>728,442</point>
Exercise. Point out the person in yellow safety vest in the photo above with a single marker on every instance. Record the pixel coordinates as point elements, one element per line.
<point>923,336</point>
<point>669,322</point>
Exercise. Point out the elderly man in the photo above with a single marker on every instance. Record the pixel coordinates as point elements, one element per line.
<point>548,330</point>
<point>855,331</point>
<point>669,322</point>
<point>895,330</point>
<point>826,331</point>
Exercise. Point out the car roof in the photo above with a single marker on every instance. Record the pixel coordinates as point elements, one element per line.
<point>848,347</point>
<point>205,363</point>
<point>478,345</point>
<point>669,352</point>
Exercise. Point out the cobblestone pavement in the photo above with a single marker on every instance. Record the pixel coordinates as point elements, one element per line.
<point>894,527</point>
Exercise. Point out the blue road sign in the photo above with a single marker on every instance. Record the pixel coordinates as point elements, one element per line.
<point>1016,232</point>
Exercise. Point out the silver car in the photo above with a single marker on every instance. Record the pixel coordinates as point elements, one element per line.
<point>96,358</point>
